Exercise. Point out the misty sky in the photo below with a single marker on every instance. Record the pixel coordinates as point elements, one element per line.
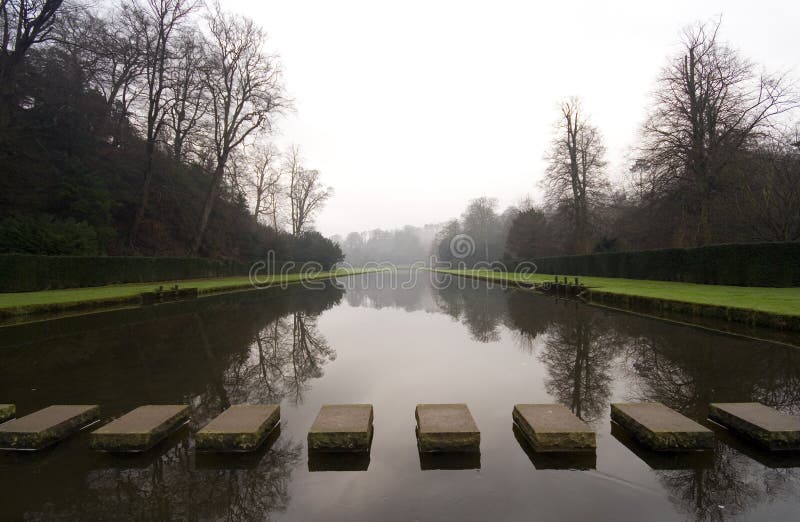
<point>411,108</point>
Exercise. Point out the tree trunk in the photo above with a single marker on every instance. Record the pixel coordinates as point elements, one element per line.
<point>145,196</point>
<point>208,205</point>
<point>6,95</point>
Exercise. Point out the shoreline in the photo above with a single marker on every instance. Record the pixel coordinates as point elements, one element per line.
<point>20,314</point>
<point>659,307</point>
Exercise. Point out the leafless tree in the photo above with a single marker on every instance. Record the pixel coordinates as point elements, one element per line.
<point>110,51</point>
<point>245,94</point>
<point>709,105</point>
<point>159,20</point>
<point>480,220</point>
<point>23,23</point>
<point>575,176</point>
<point>769,194</point>
<point>187,102</point>
<point>306,194</point>
<point>265,182</point>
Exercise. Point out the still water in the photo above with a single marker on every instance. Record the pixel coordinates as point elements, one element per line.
<point>361,341</point>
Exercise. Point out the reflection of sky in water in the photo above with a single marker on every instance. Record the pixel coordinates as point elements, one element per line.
<point>394,349</point>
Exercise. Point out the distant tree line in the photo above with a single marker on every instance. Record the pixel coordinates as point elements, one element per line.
<point>403,246</point>
<point>144,128</point>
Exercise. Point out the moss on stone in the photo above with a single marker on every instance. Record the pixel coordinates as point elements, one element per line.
<point>7,411</point>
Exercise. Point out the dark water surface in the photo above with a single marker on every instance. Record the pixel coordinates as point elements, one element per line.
<point>487,347</point>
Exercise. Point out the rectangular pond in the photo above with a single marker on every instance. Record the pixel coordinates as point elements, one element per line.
<point>366,339</point>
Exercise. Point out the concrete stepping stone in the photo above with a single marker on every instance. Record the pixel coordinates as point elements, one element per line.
<point>7,411</point>
<point>663,460</point>
<point>140,429</point>
<point>445,428</point>
<point>242,427</point>
<point>552,427</point>
<point>763,425</point>
<point>47,426</point>
<point>342,427</point>
<point>661,428</point>
<point>230,460</point>
<point>570,460</point>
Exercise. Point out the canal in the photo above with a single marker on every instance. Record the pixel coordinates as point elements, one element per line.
<point>373,339</point>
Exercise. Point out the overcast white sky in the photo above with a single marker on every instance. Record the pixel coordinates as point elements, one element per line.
<point>412,108</point>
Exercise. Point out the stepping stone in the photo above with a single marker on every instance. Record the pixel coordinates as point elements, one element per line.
<point>242,427</point>
<point>764,425</point>
<point>661,428</point>
<point>342,427</point>
<point>552,427</point>
<point>446,427</point>
<point>230,460</point>
<point>7,411</point>
<point>140,429</point>
<point>663,460</point>
<point>45,427</point>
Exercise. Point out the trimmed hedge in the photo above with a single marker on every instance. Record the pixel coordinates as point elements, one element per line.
<point>27,273</point>
<point>752,264</point>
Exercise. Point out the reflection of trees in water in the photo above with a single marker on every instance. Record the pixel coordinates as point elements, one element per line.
<point>283,357</point>
<point>578,353</point>
<point>529,317</point>
<point>236,349</point>
<point>480,309</point>
<point>578,347</point>
<point>687,369</point>
<point>403,289</point>
<point>171,486</point>
<point>730,488</point>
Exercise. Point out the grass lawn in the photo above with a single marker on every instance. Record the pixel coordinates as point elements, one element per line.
<point>785,301</point>
<point>75,295</point>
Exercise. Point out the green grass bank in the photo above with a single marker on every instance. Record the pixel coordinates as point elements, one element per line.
<point>756,306</point>
<point>18,305</point>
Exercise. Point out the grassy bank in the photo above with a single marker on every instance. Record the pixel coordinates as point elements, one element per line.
<point>778,301</point>
<point>73,299</point>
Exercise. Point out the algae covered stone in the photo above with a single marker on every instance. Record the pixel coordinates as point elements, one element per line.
<point>446,428</point>
<point>242,427</point>
<point>342,427</point>
<point>7,411</point>
<point>553,427</point>
<point>661,428</point>
<point>140,429</point>
<point>766,426</point>
<point>47,426</point>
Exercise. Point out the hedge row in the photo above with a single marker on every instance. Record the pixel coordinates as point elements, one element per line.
<point>26,273</point>
<point>753,264</point>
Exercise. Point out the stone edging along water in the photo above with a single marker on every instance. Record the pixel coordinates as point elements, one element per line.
<point>17,314</point>
<point>660,307</point>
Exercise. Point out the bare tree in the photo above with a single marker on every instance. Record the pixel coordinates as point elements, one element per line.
<point>245,92</point>
<point>769,194</point>
<point>265,182</point>
<point>110,52</point>
<point>159,19</point>
<point>187,102</point>
<point>480,220</point>
<point>710,103</point>
<point>307,196</point>
<point>23,23</point>
<point>575,176</point>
